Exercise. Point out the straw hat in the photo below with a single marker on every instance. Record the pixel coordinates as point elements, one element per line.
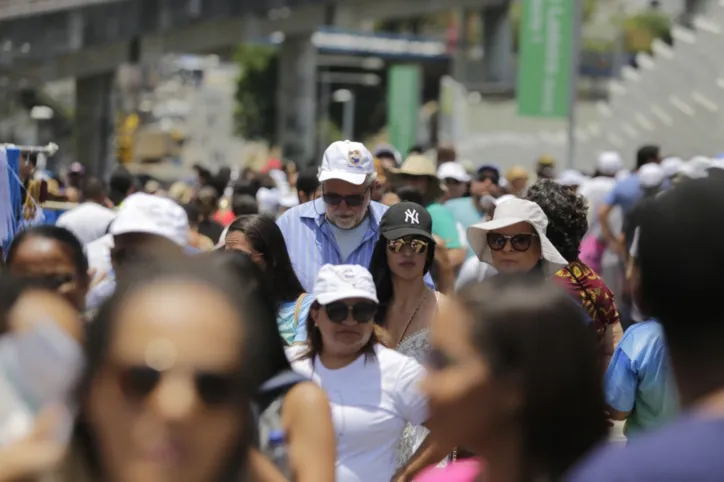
<point>420,166</point>
<point>510,212</point>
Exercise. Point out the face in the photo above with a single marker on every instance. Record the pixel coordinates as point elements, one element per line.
<point>166,404</point>
<point>50,263</point>
<point>519,184</point>
<point>378,191</point>
<point>468,405</point>
<point>132,246</point>
<point>486,183</point>
<point>237,240</point>
<point>347,336</point>
<point>419,183</point>
<point>455,188</point>
<point>406,257</point>
<point>346,203</point>
<point>515,256</point>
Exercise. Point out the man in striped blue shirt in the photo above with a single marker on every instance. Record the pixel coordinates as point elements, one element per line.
<point>341,227</point>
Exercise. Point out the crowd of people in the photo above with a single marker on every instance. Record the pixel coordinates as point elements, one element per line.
<point>373,318</point>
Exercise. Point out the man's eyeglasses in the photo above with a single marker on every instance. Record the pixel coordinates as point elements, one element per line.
<point>484,176</point>
<point>352,200</point>
<point>362,312</point>
<point>519,242</point>
<point>418,246</point>
<point>213,389</point>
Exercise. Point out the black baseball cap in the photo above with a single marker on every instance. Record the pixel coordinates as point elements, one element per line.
<point>406,219</point>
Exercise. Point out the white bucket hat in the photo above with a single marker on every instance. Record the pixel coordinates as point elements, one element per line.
<point>511,212</point>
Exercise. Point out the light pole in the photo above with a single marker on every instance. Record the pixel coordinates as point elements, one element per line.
<point>346,97</point>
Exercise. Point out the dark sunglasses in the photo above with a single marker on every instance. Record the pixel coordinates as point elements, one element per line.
<point>418,246</point>
<point>362,312</point>
<point>519,242</point>
<point>214,389</point>
<point>352,200</point>
<point>452,182</point>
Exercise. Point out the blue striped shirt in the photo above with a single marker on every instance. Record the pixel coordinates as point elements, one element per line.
<point>311,242</point>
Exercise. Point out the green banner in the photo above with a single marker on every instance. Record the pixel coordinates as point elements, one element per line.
<point>404,91</point>
<point>544,58</point>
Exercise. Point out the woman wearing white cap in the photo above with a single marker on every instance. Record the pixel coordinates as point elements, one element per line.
<point>373,390</point>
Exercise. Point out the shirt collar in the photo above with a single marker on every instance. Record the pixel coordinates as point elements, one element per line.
<point>315,210</point>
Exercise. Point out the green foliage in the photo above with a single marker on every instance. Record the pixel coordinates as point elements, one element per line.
<point>256,110</point>
<point>641,30</point>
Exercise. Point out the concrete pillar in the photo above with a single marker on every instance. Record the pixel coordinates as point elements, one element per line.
<point>297,98</point>
<point>94,122</point>
<point>498,44</point>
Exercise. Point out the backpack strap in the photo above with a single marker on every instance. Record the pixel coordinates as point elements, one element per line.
<point>276,386</point>
<point>297,309</point>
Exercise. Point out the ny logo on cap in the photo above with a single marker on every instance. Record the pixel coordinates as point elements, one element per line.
<point>412,216</point>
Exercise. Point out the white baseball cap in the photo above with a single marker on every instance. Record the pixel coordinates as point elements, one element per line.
<point>342,282</point>
<point>671,165</point>
<point>609,163</point>
<point>514,211</point>
<point>571,177</point>
<point>452,170</point>
<point>651,175</point>
<point>347,161</point>
<point>149,214</point>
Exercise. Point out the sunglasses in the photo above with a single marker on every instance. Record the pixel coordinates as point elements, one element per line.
<point>452,182</point>
<point>489,177</point>
<point>418,246</point>
<point>52,282</point>
<point>213,389</point>
<point>519,242</point>
<point>362,312</point>
<point>352,200</point>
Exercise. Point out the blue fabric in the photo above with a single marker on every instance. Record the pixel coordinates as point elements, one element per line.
<point>625,193</point>
<point>639,378</point>
<point>311,242</point>
<point>292,329</point>
<point>11,197</point>
<point>688,450</point>
<point>464,211</point>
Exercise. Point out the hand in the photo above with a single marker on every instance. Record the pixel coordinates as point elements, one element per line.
<point>441,254</point>
<point>36,454</point>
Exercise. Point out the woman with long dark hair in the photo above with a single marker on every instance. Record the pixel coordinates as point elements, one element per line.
<point>173,362</point>
<point>514,376</point>
<point>403,255</point>
<point>260,238</point>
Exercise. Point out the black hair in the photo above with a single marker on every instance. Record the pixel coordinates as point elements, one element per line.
<point>207,200</point>
<point>241,295</point>
<point>60,235</point>
<point>532,331</point>
<point>11,289</point>
<point>93,189</point>
<point>120,184</point>
<point>266,238</point>
<point>647,154</point>
<point>567,215</point>
<point>193,213</point>
<point>416,149</point>
<point>307,181</point>
<point>679,279</point>
<point>409,194</point>
<point>249,188</point>
<point>242,204</point>
<point>382,275</point>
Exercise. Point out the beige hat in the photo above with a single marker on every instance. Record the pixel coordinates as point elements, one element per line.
<point>510,212</point>
<point>417,165</point>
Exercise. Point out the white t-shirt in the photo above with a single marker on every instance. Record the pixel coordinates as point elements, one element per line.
<point>370,401</point>
<point>88,221</point>
<point>98,253</point>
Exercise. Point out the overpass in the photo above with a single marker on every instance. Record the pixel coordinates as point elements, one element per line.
<point>43,40</point>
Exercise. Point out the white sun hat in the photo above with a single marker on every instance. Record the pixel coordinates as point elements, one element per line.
<point>514,211</point>
<point>651,175</point>
<point>671,166</point>
<point>571,177</point>
<point>347,161</point>
<point>609,163</point>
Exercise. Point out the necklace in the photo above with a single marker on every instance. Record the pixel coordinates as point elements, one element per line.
<point>414,313</point>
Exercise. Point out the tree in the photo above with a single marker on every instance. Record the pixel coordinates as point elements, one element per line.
<point>256,109</point>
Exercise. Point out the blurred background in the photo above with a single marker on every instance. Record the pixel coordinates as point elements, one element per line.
<point>161,85</point>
